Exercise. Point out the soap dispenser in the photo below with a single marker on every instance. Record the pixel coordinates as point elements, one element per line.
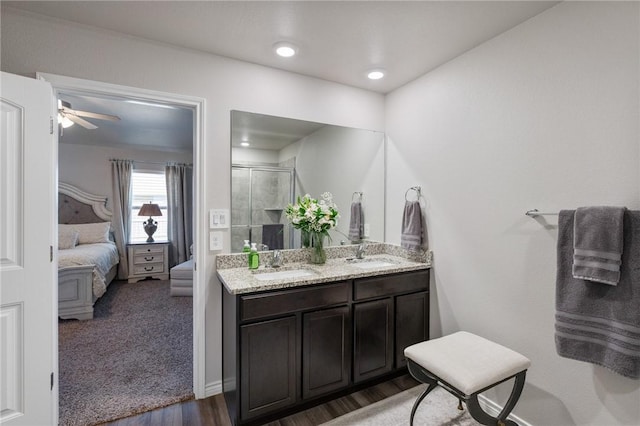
<point>246,248</point>
<point>254,258</point>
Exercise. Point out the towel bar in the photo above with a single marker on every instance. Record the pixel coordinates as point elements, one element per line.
<point>535,212</point>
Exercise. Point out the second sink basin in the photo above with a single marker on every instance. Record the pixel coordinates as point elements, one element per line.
<point>372,264</point>
<point>282,275</point>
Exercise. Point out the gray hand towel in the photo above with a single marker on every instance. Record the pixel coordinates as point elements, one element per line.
<point>412,229</point>
<point>356,223</point>
<point>599,323</point>
<point>597,243</point>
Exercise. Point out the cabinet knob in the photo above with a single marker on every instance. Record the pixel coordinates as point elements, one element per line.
<point>149,259</point>
<point>148,268</point>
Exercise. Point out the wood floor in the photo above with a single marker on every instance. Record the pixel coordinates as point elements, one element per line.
<point>212,411</point>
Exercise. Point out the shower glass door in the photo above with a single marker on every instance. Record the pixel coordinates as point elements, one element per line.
<point>259,197</point>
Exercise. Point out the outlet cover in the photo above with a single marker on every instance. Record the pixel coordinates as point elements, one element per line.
<point>215,240</point>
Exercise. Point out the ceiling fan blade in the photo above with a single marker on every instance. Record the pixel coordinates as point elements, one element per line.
<point>80,121</point>
<point>92,114</point>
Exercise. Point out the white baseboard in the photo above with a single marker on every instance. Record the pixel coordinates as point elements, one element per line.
<point>494,409</point>
<point>211,389</point>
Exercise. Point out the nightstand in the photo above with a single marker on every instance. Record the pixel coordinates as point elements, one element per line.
<point>148,260</point>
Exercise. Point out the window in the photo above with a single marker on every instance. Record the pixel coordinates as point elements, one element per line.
<point>148,186</point>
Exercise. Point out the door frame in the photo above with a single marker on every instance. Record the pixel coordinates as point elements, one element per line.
<point>62,83</point>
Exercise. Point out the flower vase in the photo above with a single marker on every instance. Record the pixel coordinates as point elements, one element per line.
<point>318,255</point>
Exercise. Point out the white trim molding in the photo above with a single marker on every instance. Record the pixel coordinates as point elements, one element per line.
<point>213,388</point>
<point>494,409</point>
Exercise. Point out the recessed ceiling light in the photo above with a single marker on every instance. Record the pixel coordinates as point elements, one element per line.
<point>244,143</point>
<point>284,49</point>
<point>375,74</point>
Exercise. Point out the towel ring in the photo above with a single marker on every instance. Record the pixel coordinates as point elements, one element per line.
<point>413,188</point>
<point>358,194</point>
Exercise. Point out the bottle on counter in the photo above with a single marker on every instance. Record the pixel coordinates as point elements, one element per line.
<point>254,258</point>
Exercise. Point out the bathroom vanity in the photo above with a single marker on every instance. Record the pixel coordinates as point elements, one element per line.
<point>300,335</point>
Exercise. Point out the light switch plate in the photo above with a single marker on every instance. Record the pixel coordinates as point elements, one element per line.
<point>215,240</point>
<point>367,229</point>
<point>218,218</point>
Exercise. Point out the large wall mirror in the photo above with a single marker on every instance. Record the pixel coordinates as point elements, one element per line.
<point>276,159</point>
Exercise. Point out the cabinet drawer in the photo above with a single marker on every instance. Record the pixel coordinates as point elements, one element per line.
<point>141,259</point>
<point>388,285</point>
<point>292,300</point>
<point>148,249</point>
<point>150,268</point>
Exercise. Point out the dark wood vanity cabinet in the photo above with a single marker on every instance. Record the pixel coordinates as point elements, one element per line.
<point>326,351</point>
<point>287,348</point>
<point>268,366</point>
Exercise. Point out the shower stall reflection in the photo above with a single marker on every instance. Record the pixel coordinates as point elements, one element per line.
<point>258,199</point>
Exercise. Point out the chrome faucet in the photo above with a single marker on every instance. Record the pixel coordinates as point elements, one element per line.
<point>277,259</point>
<point>360,251</point>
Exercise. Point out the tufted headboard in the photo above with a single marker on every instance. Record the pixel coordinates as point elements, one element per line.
<point>78,206</point>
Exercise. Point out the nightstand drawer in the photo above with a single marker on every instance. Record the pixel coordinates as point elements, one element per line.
<point>141,259</point>
<point>148,249</point>
<point>151,268</point>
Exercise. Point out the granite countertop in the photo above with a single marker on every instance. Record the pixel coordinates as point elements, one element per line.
<point>382,259</point>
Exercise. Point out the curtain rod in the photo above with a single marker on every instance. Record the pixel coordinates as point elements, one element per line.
<point>155,162</point>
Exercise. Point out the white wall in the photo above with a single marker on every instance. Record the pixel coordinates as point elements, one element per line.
<point>31,44</point>
<point>88,167</point>
<point>341,161</point>
<point>543,116</point>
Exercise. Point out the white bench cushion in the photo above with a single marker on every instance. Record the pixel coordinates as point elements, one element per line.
<point>183,271</point>
<point>466,361</point>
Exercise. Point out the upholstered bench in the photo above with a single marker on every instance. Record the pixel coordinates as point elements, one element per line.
<point>182,279</point>
<point>466,365</point>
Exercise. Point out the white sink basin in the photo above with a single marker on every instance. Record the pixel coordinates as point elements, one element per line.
<point>283,275</point>
<point>372,264</point>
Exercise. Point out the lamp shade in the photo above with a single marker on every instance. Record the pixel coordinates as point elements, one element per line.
<point>150,210</point>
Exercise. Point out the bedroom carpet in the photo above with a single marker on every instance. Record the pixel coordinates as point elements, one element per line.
<point>438,408</point>
<point>134,356</point>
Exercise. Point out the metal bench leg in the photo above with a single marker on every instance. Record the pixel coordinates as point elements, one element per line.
<point>421,375</point>
<point>419,400</point>
<point>483,418</point>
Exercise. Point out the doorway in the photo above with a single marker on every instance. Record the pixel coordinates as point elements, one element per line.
<point>62,84</point>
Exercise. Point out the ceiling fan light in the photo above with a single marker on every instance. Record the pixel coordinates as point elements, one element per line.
<point>284,49</point>
<point>64,121</point>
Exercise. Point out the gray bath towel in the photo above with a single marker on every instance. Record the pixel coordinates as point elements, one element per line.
<point>356,223</point>
<point>412,228</point>
<point>273,236</point>
<point>599,323</point>
<point>597,243</point>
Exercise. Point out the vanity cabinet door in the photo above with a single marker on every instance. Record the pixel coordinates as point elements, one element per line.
<point>412,322</point>
<point>326,351</point>
<point>373,339</point>
<point>268,366</point>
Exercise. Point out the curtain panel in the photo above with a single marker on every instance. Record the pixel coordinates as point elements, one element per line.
<point>121,219</point>
<point>179,207</point>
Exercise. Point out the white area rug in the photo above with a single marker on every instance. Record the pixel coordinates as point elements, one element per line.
<point>439,408</point>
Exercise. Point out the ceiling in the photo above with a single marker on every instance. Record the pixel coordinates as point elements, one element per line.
<point>338,41</point>
<point>143,125</point>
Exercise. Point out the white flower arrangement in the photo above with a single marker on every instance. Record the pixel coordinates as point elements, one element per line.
<point>313,216</point>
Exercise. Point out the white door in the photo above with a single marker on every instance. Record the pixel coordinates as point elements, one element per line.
<point>27,269</point>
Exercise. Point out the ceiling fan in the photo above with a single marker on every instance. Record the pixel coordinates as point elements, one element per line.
<point>68,116</point>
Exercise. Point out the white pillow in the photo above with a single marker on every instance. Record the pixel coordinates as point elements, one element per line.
<point>90,232</point>
<point>67,238</point>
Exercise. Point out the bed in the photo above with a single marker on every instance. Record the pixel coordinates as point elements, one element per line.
<point>87,256</point>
